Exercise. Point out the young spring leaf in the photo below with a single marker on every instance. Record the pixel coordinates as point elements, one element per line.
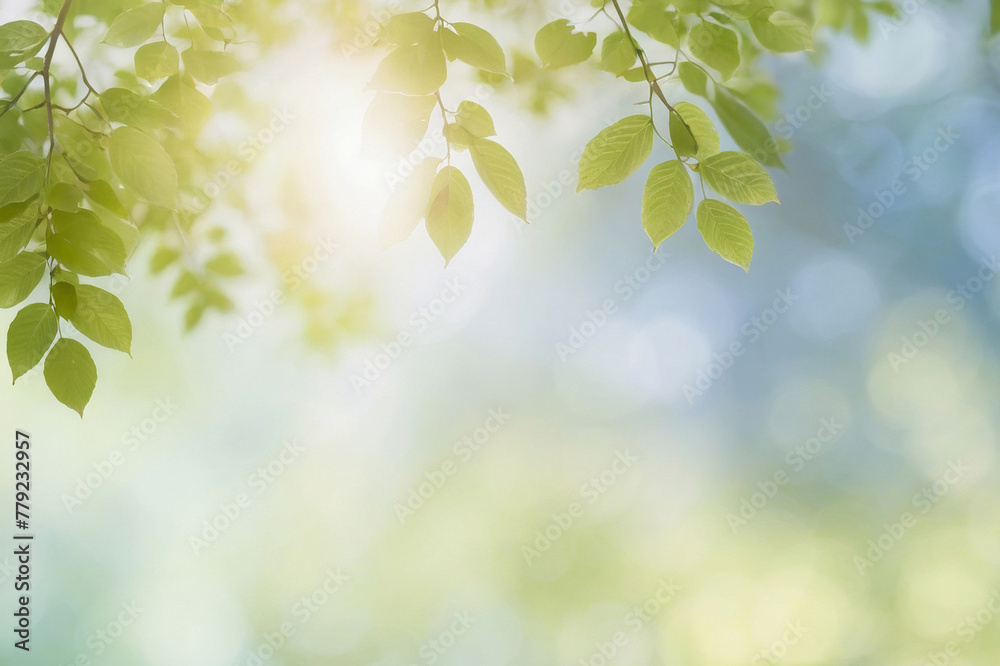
<point>226,264</point>
<point>654,19</point>
<point>616,152</point>
<point>129,108</point>
<point>475,120</point>
<point>17,223</point>
<point>22,175</point>
<point>418,69</point>
<point>71,374</point>
<point>394,124</point>
<point>19,277</point>
<point>408,28</point>
<point>693,78</point>
<point>502,175</point>
<point>666,201</point>
<point>746,129</point>
<point>699,126</point>
<point>408,204</point>
<point>101,193</point>
<point>30,335</point>
<point>450,212</point>
<point>210,66</point>
<point>81,243</point>
<point>101,317</point>
<point>143,166</point>
<point>558,46</point>
<point>726,232</point>
<point>781,32</point>
<point>216,24</point>
<point>716,46</point>
<point>19,37</point>
<point>156,61</point>
<point>186,102</point>
<point>617,53</point>
<point>162,259</point>
<point>738,177</point>
<point>474,46</point>
<point>135,26</point>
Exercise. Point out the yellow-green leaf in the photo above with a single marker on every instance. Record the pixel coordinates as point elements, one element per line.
<point>738,177</point>
<point>474,46</point>
<point>616,152</point>
<point>22,175</point>
<point>19,277</point>
<point>450,212</point>
<point>698,126</point>
<point>408,203</point>
<point>418,69</point>
<point>726,232</point>
<point>71,374</point>
<point>143,166</point>
<point>558,46</point>
<point>135,26</point>
<point>501,174</point>
<point>101,317</point>
<point>30,335</point>
<point>666,201</point>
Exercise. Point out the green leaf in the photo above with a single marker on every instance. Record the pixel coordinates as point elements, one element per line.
<point>81,243</point>
<point>210,66</point>
<point>183,99</point>
<point>616,152</point>
<point>726,232</point>
<point>474,119</point>
<point>30,335</point>
<point>143,166</point>
<point>225,263</point>
<point>186,283</point>
<point>994,17</point>
<point>129,108</point>
<point>474,46</point>
<point>101,317</point>
<point>63,196</point>
<point>408,203</point>
<point>667,200</point>
<point>17,223</point>
<point>654,19</point>
<point>418,69</point>
<point>716,46</point>
<point>558,46</point>
<point>394,124</point>
<point>501,174</point>
<point>693,78</point>
<point>71,374</point>
<point>617,53</point>
<point>781,32</point>
<point>450,212</point>
<point>699,126</point>
<point>746,129</point>
<point>19,277</point>
<point>162,258</point>
<point>738,177</point>
<point>156,61</point>
<point>216,24</point>
<point>408,28</point>
<point>21,36</point>
<point>22,175</point>
<point>64,298</point>
<point>102,194</point>
<point>135,26</point>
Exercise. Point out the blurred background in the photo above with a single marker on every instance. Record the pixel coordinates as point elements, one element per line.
<point>548,452</point>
